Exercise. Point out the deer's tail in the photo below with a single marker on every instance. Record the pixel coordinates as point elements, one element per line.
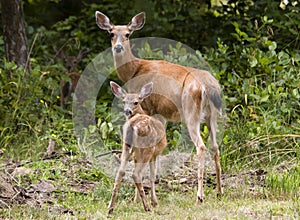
<point>214,96</point>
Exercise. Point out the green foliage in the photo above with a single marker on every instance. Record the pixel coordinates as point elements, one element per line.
<point>30,112</point>
<point>261,89</point>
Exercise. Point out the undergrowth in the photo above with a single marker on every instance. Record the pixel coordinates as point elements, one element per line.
<point>262,129</point>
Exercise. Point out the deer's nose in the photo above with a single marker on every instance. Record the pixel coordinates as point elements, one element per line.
<point>127,112</point>
<point>118,48</point>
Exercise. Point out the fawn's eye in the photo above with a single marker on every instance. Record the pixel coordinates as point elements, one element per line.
<point>136,103</point>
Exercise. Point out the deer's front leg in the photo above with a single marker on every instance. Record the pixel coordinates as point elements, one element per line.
<point>121,172</point>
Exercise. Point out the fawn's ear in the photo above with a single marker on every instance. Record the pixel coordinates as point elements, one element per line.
<point>103,21</point>
<point>146,90</point>
<point>137,22</point>
<point>117,90</point>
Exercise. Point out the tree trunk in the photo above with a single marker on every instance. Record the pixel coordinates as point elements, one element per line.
<point>14,34</point>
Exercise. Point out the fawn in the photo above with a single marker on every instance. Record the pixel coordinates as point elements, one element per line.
<point>144,136</point>
<point>71,64</point>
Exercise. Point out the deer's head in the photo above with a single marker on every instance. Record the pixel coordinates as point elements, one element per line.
<point>132,101</point>
<point>120,33</point>
<point>71,62</point>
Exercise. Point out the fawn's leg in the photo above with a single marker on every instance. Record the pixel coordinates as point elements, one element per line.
<point>137,197</point>
<point>192,99</point>
<point>152,181</point>
<point>153,176</point>
<point>212,125</point>
<point>121,172</point>
<point>137,177</point>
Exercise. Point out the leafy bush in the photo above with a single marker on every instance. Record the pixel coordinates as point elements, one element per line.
<point>261,90</point>
<point>30,114</point>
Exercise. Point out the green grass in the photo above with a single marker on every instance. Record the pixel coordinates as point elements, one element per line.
<point>277,197</point>
<point>173,205</point>
<point>285,183</point>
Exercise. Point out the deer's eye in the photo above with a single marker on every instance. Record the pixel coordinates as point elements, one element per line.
<point>111,35</point>
<point>127,35</point>
<point>136,103</point>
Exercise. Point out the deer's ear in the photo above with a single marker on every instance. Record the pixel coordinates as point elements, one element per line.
<point>117,90</point>
<point>103,21</point>
<point>83,53</point>
<point>60,53</point>
<point>137,22</point>
<point>146,90</point>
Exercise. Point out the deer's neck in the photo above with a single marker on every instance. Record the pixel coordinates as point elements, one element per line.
<point>126,64</point>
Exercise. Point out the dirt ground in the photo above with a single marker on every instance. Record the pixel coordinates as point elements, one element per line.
<point>177,171</point>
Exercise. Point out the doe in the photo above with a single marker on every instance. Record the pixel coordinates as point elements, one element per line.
<point>145,137</point>
<point>71,64</point>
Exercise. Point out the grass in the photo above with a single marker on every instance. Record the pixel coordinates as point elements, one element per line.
<point>173,205</point>
<point>276,198</point>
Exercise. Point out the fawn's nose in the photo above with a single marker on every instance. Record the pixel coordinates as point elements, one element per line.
<point>127,112</point>
<point>118,48</point>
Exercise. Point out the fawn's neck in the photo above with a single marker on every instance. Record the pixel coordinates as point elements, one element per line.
<point>139,111</point>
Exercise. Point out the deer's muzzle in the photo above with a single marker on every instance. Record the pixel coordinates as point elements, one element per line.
<point>118,48</point>
<point>127,112</point>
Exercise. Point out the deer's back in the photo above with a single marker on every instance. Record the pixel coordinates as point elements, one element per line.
<point>143,131</point>
<point>170,81</point>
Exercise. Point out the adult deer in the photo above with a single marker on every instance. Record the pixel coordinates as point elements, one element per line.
<point>182,93</point>
<point>71,65</point>
<point>144,136</point>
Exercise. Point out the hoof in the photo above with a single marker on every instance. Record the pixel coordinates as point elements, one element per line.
<point>154,204</point>
<point>110,211</point>
<point>147,209</point>
<point>200,200</point>
<point>219,195</point>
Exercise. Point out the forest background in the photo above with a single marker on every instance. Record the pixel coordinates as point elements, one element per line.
<point>252,48</point>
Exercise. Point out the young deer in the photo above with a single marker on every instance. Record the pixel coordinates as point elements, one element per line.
<point>71,64</point>
<point>144,136</point>
<point>181,93</point>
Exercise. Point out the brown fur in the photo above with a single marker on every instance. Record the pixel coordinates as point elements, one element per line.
<point>145,137</point>
<point>71,65</point>
<point>181,93</point>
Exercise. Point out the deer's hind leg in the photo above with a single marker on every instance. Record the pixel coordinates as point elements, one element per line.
<point>211,122</point>
<point>137,177</point>
<point>191,104</point>
<point>152,164</point>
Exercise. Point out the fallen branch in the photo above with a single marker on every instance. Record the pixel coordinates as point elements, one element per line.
<point>109,152</point>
